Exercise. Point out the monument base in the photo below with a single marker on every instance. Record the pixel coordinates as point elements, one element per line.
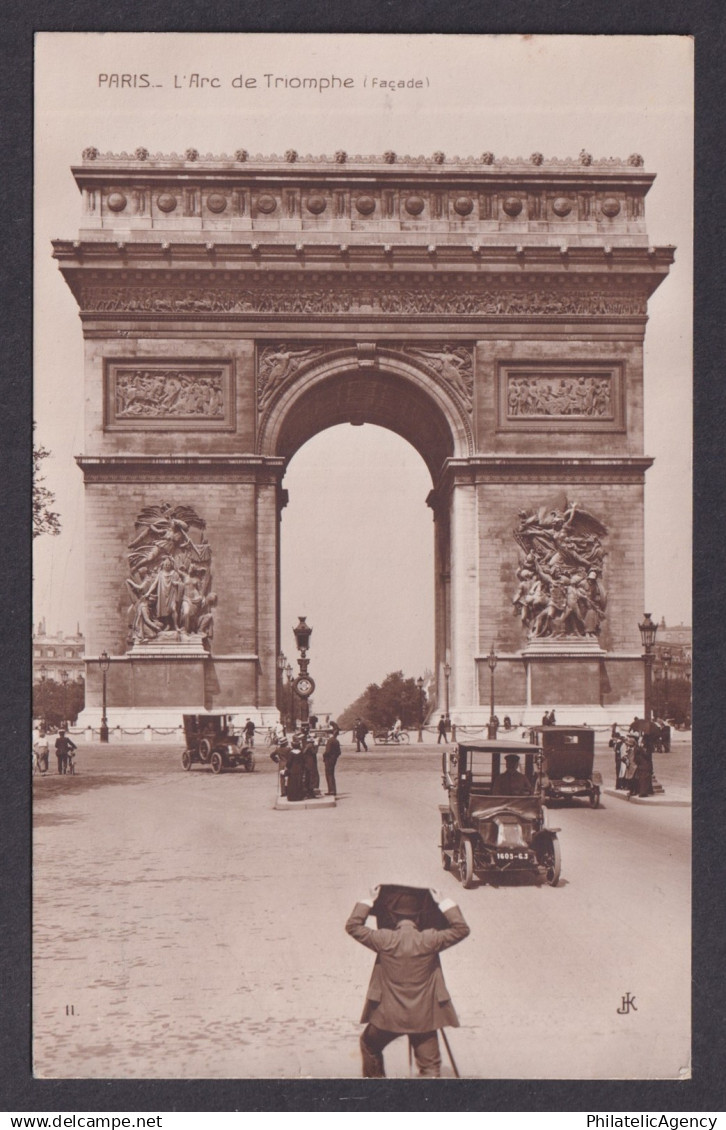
<point>131,720</point>
<point>170,646</point>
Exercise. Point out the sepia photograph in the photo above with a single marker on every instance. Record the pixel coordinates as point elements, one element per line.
<point>362,461</point>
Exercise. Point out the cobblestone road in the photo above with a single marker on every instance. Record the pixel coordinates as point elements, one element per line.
<point>183,928</point>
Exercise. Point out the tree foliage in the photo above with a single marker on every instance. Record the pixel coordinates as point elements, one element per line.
<point>380,705</point>
<point>56,704</point>
<point>45,519</point>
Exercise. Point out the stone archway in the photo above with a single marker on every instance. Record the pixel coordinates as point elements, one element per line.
<point>390,386</point>
<point>490,312</point>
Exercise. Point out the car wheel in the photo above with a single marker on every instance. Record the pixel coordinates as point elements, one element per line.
<point>595,798</point>
<point>217,762</point>
<point>553,863</point>
<point>466,863</point>
<point>186,760</point>
<point>205,749</point>
<point>250,763</point>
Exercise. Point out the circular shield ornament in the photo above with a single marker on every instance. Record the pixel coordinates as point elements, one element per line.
<point>216,202</point>
<point>266,204</point>
<point>166,201</point>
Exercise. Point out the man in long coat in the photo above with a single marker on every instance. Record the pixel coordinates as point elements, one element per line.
<point>330,758</point>
<point>407,994</point>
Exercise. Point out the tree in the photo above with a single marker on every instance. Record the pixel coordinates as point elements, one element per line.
<point>56,704</point>
<point>45,520</point>
<point>380,705</point>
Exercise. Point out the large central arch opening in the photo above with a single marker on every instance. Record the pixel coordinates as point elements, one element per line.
<point>357,553</point>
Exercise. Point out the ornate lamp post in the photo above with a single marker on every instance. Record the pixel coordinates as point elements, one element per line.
<point>647,635</point>
<point>492,660</point>
<point>304,684</point>
<point>420,685</point>
<point>666,659</point>
<point>281,661</point>
<point>290,711</point>
<point>105,663</point>
<point>64,679</point>
<point>43,696</point>
<point>447,676</point>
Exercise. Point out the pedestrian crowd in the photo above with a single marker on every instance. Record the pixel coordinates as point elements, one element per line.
<point>634,755</point>
<point>297,758</point>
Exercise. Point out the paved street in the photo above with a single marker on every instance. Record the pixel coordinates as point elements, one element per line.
<point>183,928</point>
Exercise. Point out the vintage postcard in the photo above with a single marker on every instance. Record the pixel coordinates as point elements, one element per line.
<point>362,404</point>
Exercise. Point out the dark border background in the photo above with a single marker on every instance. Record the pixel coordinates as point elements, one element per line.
<point>706,21</point>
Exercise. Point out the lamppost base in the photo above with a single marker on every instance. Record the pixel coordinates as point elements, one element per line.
<point>104,732</point>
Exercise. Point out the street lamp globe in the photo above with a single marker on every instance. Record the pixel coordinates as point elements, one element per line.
<point>647,632</point>
<point>302,632</point>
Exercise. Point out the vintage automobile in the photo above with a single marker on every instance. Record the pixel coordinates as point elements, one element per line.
<point>486,834</point>
<point>567,764</point>
<point>212,740</point>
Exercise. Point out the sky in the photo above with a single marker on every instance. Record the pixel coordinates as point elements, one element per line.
<point>357,535</point>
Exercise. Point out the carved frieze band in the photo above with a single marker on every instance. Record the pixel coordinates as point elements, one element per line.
<point>144,395</point>
<point>451,366</point>
<point>331,294</point>
<point>545,396</point>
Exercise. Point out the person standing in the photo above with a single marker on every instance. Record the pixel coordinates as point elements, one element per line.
<point>330,758</point>
<point>294,771</point>
<point>407,994</point>
<point>249,732</point>
<point>63,745</point>
<point>644,765</point>
<point>311,773</point>
<point>360,730</point>
<point>42,753</point>
<point>441,728</point>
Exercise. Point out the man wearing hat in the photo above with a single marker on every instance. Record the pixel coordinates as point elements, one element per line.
<point>407,994</point>
<point>511,782</point>
<point>63,746</point>
<point>330,757</point>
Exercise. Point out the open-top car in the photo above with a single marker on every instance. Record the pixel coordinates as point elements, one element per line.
<point>212,739</point>
<point>567,762</point>
<point>495,822</point>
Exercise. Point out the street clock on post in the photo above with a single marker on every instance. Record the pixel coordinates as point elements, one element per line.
<point>304,686</point>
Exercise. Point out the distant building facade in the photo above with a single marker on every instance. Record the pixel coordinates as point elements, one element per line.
<point>52,655</point>
<point>672,671</point>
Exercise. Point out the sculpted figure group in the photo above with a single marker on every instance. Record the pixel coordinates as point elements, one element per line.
<point>170,582</point>
<point>569,396</point>
<point>560,590</point>
<point>158,393</point>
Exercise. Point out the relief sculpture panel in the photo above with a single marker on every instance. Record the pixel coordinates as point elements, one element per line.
<point>452,364</point>
<point>159,396</point>
<point>170,578</point>
<point>334,295</point>
<point>277,363</point>
<point>560,592</point>
<point>561,397</point>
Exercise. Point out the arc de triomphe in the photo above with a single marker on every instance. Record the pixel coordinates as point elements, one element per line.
<point>491,312</point>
